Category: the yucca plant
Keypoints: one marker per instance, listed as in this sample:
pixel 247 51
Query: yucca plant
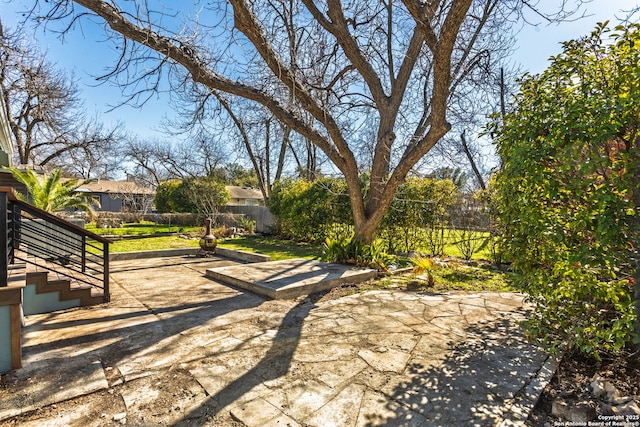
pixel 344 250
pixel 53 194
pixel 336 250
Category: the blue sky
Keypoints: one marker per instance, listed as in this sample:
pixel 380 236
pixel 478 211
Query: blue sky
pixel 536 44
pixel 87 55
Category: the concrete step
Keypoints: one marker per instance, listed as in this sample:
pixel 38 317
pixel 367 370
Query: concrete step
pixel 288 279
pixel 65 291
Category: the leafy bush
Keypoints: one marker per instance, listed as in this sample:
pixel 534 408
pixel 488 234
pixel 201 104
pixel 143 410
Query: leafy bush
pixel 309 210
pixel 346 251
pixel 336 250
pixel 568 194
pixel 171 196
pixel 248 224
pixel 422 264
pixel 194 195
pixel 314 211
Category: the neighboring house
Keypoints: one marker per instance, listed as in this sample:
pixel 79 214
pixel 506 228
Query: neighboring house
pixel 6 144
pixel 120 196
pixel 244 196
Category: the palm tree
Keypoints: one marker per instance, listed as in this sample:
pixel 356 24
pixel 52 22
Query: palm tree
pixel 53 194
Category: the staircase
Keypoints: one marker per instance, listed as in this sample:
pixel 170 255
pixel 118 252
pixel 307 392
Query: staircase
pixel 39 243
pixel 43 293
pixel 47 264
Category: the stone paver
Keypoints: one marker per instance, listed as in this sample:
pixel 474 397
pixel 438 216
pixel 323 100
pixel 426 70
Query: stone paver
pixel 379 358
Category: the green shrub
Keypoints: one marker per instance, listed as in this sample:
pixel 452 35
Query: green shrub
pixel 248 224
pixel 567 194
pixel 193 195
pixel 308 210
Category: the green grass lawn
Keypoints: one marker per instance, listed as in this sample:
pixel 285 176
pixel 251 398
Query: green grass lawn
pixel 482 251
pixel 274 247
pixel 453 277
pixel 277 249
pixel 152 243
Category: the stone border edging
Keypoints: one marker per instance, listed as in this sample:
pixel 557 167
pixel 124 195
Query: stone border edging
pixel 228 253
pixel 526 399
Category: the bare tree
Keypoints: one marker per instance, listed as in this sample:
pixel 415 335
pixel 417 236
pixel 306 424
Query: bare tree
pixel 144 166
pixel 45 111
pixel 399 61
pixel 480 94
pixel 135 198
pixel 152 161
pixel 260 139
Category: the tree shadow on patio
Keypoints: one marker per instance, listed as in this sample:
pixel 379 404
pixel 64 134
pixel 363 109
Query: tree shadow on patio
pixel 138 339
pixel 474 385
pixel 274 364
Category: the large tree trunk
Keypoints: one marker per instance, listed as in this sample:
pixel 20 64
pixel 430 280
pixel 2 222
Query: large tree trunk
pixel 313 119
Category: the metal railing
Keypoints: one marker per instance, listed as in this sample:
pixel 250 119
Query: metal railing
pixel 46 241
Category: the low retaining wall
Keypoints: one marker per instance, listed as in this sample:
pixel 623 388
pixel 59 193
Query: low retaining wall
pixel 228 253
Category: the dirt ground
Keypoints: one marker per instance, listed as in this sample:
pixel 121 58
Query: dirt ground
pixel 107 407
pixel 572 382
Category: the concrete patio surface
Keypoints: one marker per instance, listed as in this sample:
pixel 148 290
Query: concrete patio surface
pixel 177 348
pixel 289 278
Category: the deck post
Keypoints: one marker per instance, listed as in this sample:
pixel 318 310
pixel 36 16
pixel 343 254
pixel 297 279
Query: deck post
pixel 105 291
pixel 4 232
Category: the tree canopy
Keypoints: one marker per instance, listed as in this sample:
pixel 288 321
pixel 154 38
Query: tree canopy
pixel 46 115
pixel 349 77
pixel 196 195
pixel 569 190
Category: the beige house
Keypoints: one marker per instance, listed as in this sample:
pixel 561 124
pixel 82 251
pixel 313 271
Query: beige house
pixel 244 196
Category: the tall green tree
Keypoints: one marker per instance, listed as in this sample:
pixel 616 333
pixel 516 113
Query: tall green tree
pixel 569 191
pixel 311 210
pixel 171 197
pixel 52 193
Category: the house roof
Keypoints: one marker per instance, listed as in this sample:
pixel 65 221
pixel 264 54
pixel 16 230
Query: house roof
pixel 236 192
pixel 103 186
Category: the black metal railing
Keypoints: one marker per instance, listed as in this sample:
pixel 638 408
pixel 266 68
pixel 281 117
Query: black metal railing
pixel 6 237
pixel 47 241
